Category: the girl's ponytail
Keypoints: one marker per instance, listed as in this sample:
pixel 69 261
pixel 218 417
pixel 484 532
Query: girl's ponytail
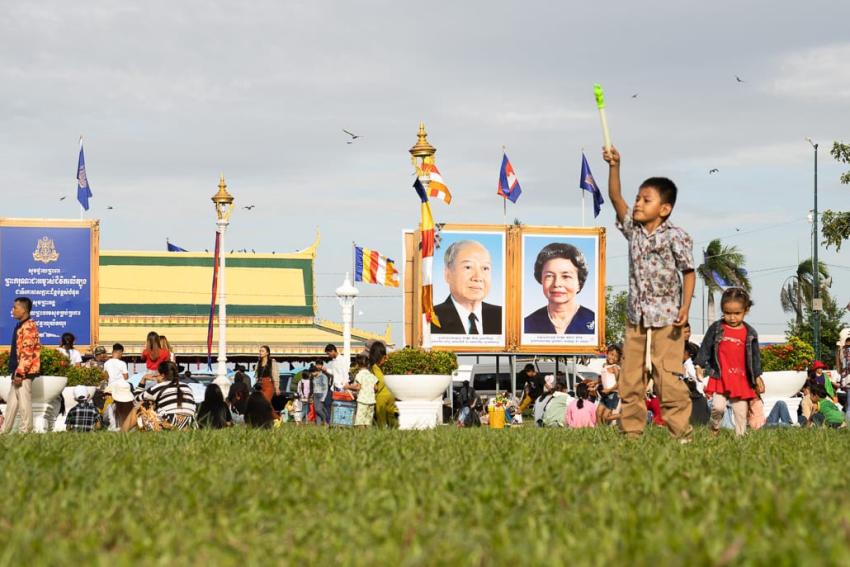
pixel 581 394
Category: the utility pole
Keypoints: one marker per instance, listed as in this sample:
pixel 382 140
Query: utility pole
pixel 817 302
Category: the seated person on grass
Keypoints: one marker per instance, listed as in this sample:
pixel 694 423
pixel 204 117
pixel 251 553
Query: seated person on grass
pixel 556 409
pixel 83 417
pixel 827 412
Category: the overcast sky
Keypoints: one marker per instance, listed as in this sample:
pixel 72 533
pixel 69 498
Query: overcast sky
pixel 169 94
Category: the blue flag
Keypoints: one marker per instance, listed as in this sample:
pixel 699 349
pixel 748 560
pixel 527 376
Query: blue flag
pixel 174 247
pixel 589 184
pixel 83 189
pixel 508 183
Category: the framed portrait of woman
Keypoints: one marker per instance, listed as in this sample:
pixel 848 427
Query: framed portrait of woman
pixel 561 287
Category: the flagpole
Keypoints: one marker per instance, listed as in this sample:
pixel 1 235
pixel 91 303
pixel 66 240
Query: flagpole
pixel 504 198
pixel 82 210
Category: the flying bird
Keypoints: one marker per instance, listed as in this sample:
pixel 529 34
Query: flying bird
pixel 109 208
pixel 635 95
pixel 63 198
pixel 353 136
pixel 739 79
pixel 713 171
pixel 249 207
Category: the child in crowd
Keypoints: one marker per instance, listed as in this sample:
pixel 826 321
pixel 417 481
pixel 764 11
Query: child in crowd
pixel 827 412
pixel 116 368
pixel 581 412
pixel 609 400
pixel 730 357
pixel 658 302
pixel 305 392
pixel 364 386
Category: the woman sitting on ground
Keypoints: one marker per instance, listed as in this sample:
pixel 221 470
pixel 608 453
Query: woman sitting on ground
pixel 258 410
pixel 239 392
pixel 556 410
pixel 173 402
pixel 213 412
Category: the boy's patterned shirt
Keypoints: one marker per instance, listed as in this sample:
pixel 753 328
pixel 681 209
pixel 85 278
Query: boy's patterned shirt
pixel 655 260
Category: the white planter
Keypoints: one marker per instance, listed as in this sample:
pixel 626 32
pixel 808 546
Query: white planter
pixel 420 404
pixel 44 390
pixel 417 387
pixel 782 385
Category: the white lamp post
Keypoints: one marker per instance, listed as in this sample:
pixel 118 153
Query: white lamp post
pixel 223 202
pixel 346 294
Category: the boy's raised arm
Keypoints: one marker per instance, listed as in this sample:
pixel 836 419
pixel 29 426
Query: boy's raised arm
pixel 612 156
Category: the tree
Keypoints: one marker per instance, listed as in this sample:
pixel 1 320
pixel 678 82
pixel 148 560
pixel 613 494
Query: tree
pixel 836 224
pixel 616 315
pixel 798 292
pixel 723 266
pixel 831 323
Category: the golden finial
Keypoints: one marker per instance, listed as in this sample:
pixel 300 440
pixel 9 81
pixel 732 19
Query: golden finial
pixel 222 196
pixel 223 201
pixel 422 149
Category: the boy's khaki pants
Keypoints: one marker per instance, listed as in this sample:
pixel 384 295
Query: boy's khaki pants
pixel 667 350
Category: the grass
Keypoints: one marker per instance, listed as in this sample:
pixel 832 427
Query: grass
pixel 526 496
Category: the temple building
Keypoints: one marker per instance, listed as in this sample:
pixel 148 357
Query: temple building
pixel 271 300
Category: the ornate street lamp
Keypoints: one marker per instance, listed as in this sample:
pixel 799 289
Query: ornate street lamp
pixel 223 202
pixel 347 294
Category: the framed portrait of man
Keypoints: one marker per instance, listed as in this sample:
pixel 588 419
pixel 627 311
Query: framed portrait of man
pixel 469 285
pixel 561 288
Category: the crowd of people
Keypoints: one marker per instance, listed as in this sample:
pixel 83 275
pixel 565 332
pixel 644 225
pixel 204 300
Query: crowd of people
pixel 723 377
pixel 163 399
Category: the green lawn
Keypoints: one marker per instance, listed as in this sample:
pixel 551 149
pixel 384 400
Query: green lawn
pixel 525 496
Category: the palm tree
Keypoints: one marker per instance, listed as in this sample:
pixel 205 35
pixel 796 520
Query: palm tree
pixel 797 289
pixel 723 266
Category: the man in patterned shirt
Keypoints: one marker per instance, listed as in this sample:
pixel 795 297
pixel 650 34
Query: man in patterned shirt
pixel 659 301
pixel 83 416
pixel 24 365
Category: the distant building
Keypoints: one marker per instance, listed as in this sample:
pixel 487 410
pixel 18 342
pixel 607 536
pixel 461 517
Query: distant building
pixel 271 300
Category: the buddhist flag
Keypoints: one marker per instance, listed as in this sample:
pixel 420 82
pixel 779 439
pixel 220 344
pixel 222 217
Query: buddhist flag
pixel 508 183
pixel 437 187
pixel 427 250
pixel 371 267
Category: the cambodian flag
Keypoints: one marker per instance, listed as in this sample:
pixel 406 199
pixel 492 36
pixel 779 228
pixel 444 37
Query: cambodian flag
pixel 83 190
pixel 508 183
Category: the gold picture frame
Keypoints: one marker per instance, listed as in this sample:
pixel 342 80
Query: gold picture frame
pixel 512 282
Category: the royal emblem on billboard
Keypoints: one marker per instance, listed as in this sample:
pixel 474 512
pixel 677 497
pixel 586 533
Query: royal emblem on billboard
pixel 45 251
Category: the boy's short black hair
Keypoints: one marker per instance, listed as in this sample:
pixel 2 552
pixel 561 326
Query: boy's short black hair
pixel 117 346
pixel 26 302
pixel 666 189
pixel 329 348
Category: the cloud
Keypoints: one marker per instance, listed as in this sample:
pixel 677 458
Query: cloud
pixel 817 74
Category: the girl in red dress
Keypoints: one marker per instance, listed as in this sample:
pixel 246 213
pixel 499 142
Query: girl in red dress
pixel 730 356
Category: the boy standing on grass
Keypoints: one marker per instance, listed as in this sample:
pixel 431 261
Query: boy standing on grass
pixel 658 302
